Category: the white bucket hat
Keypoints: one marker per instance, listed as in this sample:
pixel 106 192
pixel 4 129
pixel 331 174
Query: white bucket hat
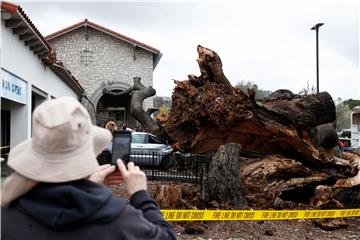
pixel 64 143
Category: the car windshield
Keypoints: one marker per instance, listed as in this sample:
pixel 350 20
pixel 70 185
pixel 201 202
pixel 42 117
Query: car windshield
pixel 138 138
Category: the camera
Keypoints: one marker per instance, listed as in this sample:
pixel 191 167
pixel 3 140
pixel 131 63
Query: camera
pixel 121 146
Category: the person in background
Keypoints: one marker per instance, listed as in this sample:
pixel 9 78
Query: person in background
pixel 57 190
pixel 111 126
pixel 125 128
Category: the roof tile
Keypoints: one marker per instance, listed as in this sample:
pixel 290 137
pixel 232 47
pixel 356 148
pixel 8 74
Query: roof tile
pixel 106 30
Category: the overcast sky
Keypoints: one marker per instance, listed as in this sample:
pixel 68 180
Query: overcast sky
pixel 267 42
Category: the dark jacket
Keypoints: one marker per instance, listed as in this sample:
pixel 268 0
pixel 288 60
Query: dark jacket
pixel 82 210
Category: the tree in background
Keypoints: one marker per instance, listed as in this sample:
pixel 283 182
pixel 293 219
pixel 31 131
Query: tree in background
pixel 352 103
pixel 308 90
pixel 163 114
pixel 343 115
pixel 248 85
pixel 164 110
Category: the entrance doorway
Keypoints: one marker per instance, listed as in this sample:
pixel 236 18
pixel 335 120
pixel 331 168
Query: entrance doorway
pixel 114 106
pixel 5 127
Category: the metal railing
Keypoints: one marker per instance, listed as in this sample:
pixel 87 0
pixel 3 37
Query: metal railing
pixel 176 167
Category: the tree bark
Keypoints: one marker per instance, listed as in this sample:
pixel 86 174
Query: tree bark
pixel 168 196
pixel 325 135
pixel 306 111
pixel 279 182
pixel 223 182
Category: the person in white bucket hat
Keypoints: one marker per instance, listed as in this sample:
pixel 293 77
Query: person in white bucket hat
pixel 57 192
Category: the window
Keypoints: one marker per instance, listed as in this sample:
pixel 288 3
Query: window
pixel 86 57
pixel 154 140
pixel 138 138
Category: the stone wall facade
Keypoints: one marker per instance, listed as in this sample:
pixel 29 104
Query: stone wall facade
pixel 99 60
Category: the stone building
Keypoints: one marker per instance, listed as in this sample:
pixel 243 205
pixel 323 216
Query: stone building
pixel 105 62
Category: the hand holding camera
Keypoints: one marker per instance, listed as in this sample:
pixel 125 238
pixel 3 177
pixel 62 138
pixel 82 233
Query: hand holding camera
pixel 104 175
pixel 133 178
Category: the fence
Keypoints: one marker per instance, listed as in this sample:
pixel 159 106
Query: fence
pixel 178 167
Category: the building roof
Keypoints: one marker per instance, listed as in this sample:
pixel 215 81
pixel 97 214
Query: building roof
pixel 156 53
pixel 16 18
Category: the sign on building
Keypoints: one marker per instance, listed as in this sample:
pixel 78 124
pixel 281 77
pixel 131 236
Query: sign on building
pixel 12 87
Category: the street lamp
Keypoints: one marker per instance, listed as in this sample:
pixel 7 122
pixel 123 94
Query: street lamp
pixel 316 27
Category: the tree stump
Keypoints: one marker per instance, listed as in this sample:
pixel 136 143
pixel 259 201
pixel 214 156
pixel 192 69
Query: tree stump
pixel 223 183
pixel 168 196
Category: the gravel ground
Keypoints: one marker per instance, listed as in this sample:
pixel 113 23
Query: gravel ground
pixel 266 230
pixel 262 230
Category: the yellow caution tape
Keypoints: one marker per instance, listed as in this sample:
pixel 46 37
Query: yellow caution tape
pixel 226 215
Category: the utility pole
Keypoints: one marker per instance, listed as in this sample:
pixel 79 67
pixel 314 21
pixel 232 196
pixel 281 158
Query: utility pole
pixel 316 27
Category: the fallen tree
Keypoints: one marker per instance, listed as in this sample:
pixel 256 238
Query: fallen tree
pixel 291 136
pixel 208 112
pixel 283 183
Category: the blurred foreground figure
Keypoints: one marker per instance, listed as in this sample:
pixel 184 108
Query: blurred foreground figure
pixel 56 190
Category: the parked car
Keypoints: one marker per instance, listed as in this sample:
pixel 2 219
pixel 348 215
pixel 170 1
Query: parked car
pixel 147 149
pixel 345 144
pixel 345 133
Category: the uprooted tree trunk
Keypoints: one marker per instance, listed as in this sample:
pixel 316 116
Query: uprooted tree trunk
pixel 294 134
pixel 208 112
pixel 223 180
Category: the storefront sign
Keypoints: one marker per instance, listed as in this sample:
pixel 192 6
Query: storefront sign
pixel 12 87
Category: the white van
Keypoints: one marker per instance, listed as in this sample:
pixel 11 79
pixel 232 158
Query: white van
pixel 355 127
